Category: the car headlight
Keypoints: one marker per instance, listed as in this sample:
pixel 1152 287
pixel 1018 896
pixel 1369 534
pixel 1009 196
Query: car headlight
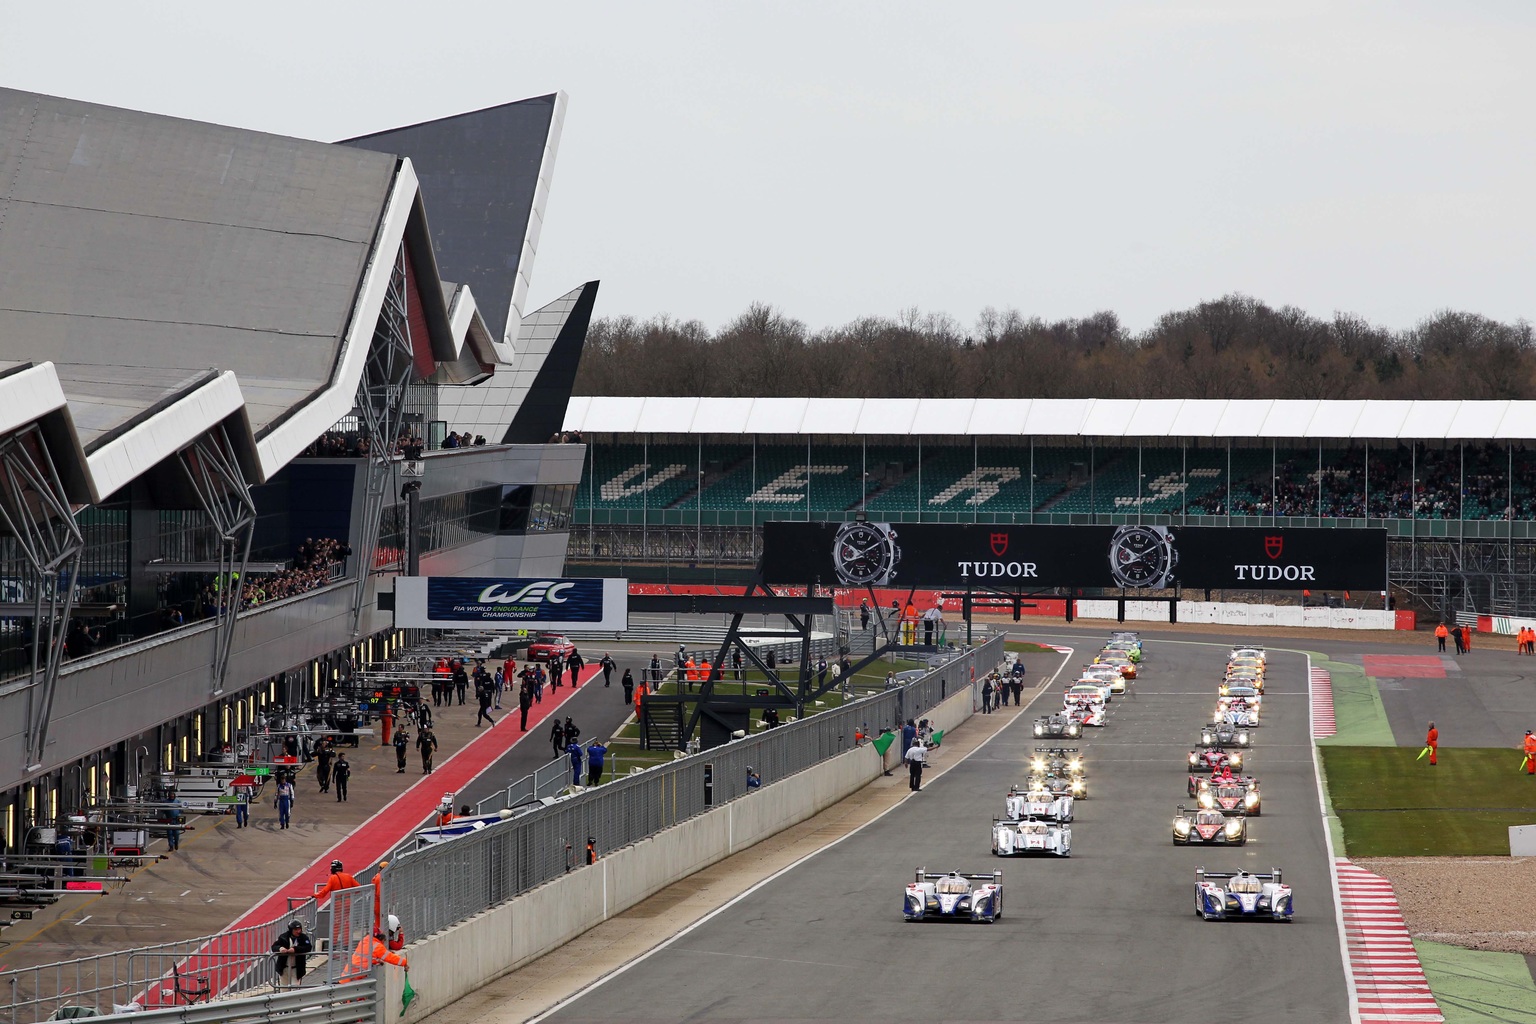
pixel 1181 826
pixel 1075 765
pixel 1252 799
pixel 1237 760
pixel 1234 827
pixel 1078 788
pixel 1242 737
pixel 1206 800
pixel 1194 758
pixel 1036 765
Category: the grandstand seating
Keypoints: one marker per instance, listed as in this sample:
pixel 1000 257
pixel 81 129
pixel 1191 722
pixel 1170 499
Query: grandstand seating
pixel 994 480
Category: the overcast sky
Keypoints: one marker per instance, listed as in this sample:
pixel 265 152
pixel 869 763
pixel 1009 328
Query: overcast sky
pixel 840 160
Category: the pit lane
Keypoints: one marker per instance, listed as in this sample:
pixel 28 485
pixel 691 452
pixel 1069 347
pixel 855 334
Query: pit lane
pixel 1109 935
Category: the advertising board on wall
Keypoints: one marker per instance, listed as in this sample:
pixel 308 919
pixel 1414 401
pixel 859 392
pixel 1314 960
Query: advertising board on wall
pixel 478 602
pixel 871 554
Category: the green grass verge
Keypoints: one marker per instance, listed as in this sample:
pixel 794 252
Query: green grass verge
pixel 1026 647
pixel 1357 708
pixel 1475 986
pixel 1393 805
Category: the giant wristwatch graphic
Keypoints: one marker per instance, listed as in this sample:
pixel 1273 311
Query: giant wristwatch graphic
pixel 1142 556
pixel 865 554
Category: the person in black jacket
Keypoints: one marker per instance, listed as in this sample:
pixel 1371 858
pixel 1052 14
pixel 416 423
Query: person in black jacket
pixel 292 948
pixel 607 665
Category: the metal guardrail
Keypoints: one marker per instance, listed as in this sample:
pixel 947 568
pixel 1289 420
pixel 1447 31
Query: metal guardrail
pixel 440 886
pixel 352 1003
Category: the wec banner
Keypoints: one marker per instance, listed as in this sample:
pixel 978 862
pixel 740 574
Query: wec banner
pixel 464 602
pixel 1030 557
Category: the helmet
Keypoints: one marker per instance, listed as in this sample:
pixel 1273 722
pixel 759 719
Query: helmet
pixel 336 865
pixel 393 922
pixel 295 924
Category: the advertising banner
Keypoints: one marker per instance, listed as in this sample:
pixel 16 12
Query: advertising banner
pixel 870 554
pixel 477 602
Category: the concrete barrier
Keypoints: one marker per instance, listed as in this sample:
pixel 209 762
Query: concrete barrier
pixel 1233 614
pixel 461 959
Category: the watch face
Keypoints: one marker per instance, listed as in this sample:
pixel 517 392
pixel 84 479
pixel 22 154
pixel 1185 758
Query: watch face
pixel 865 554
pixel 1142 556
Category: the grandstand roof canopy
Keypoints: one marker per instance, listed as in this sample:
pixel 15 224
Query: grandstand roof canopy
pixel 1058 417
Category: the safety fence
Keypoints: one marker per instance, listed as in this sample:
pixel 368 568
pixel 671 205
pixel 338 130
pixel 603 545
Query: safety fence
pixel 438 887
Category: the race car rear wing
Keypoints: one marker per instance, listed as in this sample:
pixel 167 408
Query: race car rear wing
pixel 1057 750
pixel 924 875
pixel 1202 875
pixel 1248 647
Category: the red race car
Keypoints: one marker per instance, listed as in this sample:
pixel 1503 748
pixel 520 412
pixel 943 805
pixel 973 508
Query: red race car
pixel 1214 758
pixel 547 646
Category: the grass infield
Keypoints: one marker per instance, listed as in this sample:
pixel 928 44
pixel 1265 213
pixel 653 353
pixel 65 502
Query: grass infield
pixel 1026 647
pixel 1392 804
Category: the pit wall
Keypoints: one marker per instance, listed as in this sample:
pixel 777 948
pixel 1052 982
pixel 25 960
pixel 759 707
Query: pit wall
pixel 453 963
pixel 1228 614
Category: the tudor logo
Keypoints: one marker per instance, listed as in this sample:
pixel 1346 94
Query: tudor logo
pixel 1273 546
pixel 999 544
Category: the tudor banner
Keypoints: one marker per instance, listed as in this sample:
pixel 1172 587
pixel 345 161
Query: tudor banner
pixel 1010 557
pixel 474 602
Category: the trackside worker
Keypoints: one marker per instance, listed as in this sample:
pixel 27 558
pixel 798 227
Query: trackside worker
pixel 373 950
pixel 1530 753
pixel 1432 741
pixel 1441 633
pixel 396 937
pixel 338 881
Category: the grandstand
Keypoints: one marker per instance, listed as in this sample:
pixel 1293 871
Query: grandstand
pixel 1453 482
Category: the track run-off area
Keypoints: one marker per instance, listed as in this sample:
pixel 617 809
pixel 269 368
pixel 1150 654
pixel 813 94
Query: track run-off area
pixel 1107 935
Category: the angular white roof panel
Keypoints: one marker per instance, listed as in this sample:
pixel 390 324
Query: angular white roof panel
pixel 722 415
pixel 1004 417
pixel 576 412
pixel 943 415
pixel 1154 417
pixel 1057 417
pixel 614 415
pixel 1519 423
pixel 1108 417
pixel 1429 420
pixel 1197 418
pixel 1477 420
pixel 776 415
pixel 666 415
pixel 1288 418
pixel 1244 417
pixel 1382 418
pixel 887 415
pixel 833 415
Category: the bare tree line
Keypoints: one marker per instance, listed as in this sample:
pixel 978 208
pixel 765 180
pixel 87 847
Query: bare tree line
pixel 1233 347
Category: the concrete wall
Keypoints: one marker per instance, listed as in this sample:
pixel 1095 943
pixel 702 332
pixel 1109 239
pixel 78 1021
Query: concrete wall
pixel 456 962
pixel 1231 614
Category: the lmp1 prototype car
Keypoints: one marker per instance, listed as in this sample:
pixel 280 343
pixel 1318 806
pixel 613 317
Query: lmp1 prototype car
pixel 1061 784
pixel 1038 802
pixel 1223 894
pixel 957 896
pixel 1030 835
pixel 1058 726
pixel 1237 712
pixel 1214 758
pixel 1056 761
pixel 1225 734
pixel 1235 795
pixel 1202 826
pixel 1084 712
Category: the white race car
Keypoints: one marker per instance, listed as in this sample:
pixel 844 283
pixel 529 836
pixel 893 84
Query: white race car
pixel 1223 894
pixel 1038 802
pixel 1031 835
pixel 1237 713
pixel 1088 712
pixel 1248 652
pixel 957 896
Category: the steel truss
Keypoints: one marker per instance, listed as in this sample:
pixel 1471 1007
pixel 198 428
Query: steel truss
pixel 214 473
pixel 35 510
pixel 1494 577
pixel 381 400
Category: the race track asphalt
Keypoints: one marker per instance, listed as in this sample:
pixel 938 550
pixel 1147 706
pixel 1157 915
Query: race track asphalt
pixel 1108 935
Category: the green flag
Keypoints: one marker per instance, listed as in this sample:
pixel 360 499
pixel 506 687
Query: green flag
pixel 407 995
pixel 883 742
pixel 938 737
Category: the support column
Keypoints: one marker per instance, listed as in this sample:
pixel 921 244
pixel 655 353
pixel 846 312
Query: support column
pixel 381 409
pixel 214 473
pixel 35 510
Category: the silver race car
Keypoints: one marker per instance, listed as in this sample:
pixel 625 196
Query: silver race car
pixel 1223 894
pixel 1208 827
pixel 1031 835
pixel 956 896
pixel 1038 802
pixel 1225 734
pixel 1058 726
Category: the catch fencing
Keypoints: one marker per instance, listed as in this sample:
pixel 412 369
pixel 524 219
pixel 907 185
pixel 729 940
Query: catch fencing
pixel 437 887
